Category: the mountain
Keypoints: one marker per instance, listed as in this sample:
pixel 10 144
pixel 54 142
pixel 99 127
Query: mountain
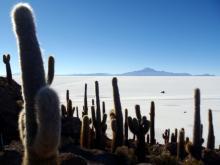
pixel 142 72
pixel 152 72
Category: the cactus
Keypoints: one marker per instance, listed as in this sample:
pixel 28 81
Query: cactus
pixel 197 129
pixel 139 126
pixel 175 135
pixel 85 132
pixel 77 112
pixel 181 145
pixel 118 141
pixel 67 97
pixel 104 119
pixel 126 128
pixel 85 107
pixel 148 139
pixel 40 122
pixel 211 136
pixel 50 74
pixel 6 60
pixel 63 111
pixel 99 125
pixel 152 127
pixel 93 102
pixel 166 136
pixel 69 109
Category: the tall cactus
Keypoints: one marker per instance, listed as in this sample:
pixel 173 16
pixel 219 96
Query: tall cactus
pixel 211 136
pixel 118 116
pixel 40 122
pixel 85 107
pixel 139 126
pixel 197 131
pixel 85 132
pixel 96 118
pixel 6 60
pixel 181 145
pixel 126 128
pixel 152 127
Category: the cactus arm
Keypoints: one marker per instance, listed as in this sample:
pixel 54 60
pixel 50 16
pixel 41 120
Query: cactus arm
pixel 50 74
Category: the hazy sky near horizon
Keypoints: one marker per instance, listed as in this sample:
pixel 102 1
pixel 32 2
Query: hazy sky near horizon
pixel 115 36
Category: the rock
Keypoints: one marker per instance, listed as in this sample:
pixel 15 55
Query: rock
pixel 11 103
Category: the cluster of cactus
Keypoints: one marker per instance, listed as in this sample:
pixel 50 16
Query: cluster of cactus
pixel 117 118
pixel 98 123
pixel 69 109
pixel 174 136
pixel 40 122
pixel 139 126
pixel 166 136
pixel 6 60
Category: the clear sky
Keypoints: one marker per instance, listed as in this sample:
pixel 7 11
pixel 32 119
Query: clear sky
pixel 115 36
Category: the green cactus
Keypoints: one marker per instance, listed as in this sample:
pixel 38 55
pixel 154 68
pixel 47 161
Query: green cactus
pixel 152 127
pixel 6 60
pixel 118 141
pixel 211 136
pixel 181 145
pixel 197 129
pixel 139 126
pixel 85 132
pixel 40 123
pixel 50 74
pixel 85 107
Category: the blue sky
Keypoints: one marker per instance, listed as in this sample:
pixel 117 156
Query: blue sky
pixel 117 36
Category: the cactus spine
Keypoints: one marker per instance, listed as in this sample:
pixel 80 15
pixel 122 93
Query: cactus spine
pixel 197 131
pixel 118 141
pixel 211 136
pixel 152 127
pixel 6 60
pixel 40 125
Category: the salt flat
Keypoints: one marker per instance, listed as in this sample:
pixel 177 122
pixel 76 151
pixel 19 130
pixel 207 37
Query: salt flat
pixel 170 107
